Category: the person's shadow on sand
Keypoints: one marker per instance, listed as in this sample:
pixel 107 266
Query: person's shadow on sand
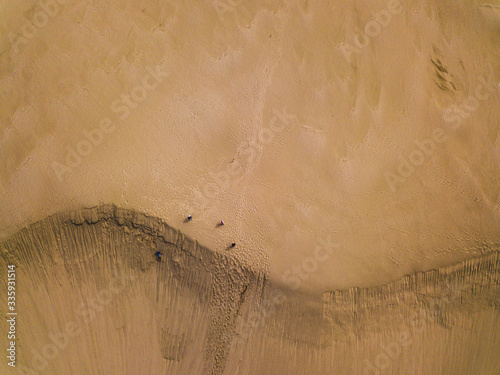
pixel 230 246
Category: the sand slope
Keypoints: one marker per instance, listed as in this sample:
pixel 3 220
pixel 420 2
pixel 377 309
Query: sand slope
pixel 280 118
pixel 93 273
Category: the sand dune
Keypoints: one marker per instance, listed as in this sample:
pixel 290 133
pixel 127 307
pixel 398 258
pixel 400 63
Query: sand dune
pixel 93 299
pixel 283 120
pixel 351 148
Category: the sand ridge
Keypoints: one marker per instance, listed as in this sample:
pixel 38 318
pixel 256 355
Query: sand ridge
pixel 130 313
pixel 205 132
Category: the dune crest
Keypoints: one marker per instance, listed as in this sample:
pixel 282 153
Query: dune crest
pixel 91 285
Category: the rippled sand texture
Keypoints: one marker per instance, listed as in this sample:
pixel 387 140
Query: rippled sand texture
pixel 89 281
pixel 279 117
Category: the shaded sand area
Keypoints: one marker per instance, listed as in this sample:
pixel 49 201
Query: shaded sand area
pixel 365 124
pixel 93 299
